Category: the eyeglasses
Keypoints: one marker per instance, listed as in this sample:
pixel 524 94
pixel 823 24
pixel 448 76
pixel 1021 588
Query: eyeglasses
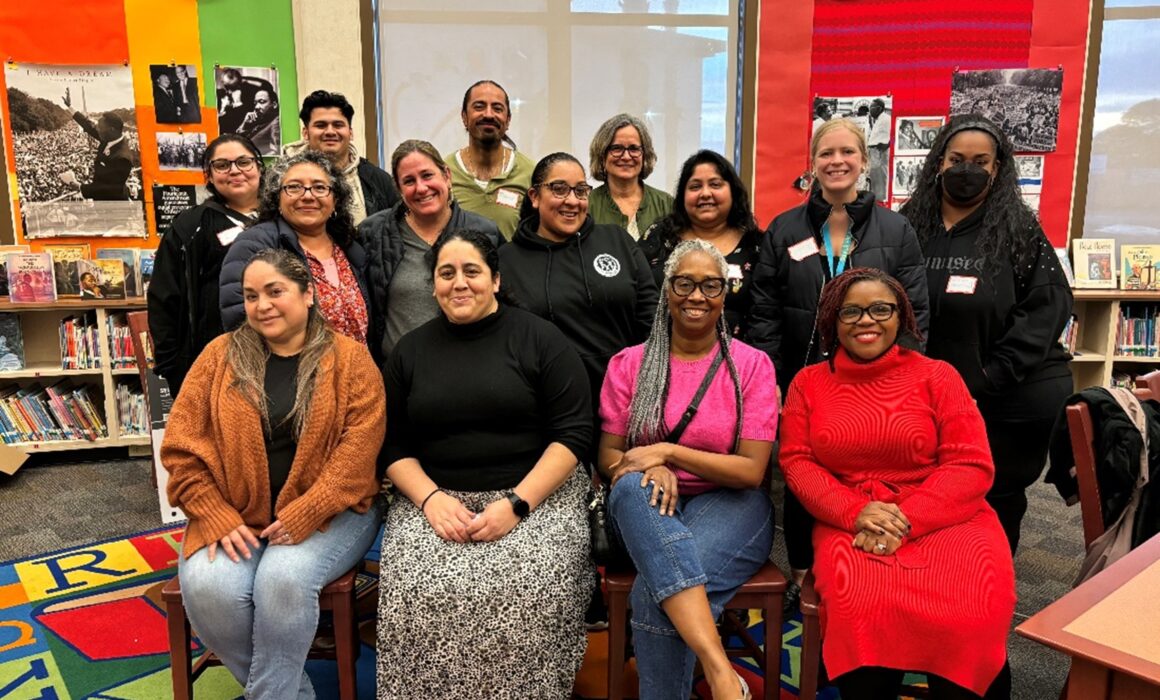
pixel 560 189
pixel 711 287
pixel 295 189
pixel 617 150
pixel 879 312
pixel 222 165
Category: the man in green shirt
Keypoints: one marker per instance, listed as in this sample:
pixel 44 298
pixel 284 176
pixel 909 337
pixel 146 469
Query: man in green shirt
pixel 487 176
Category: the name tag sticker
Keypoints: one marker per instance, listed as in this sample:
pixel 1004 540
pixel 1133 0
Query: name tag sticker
pixel 960 284
pixel 803 249
pixel 227 237
pixel 734 272
pixel 507 198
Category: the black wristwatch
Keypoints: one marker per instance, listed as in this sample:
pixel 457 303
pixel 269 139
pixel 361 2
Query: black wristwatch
pixel 519 506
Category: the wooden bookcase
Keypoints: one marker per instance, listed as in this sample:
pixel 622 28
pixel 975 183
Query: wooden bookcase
pixel 1098 311
pixel 40 326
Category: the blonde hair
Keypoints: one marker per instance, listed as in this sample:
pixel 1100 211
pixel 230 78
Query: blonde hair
pixel 833 125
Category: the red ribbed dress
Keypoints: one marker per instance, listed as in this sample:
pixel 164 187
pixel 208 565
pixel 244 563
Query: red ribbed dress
pixel 902 429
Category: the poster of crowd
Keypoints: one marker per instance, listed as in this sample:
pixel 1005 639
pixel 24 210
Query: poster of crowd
pixel 248 105
pixel 78 165
pixel 180 151
pixel 873 116
pixel 1024 102
pixel 913 136
pixel 1030 173
pixel 906 172
pixel 175 95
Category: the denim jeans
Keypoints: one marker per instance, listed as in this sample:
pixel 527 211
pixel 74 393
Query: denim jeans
pixel 717 539
pixel 260 615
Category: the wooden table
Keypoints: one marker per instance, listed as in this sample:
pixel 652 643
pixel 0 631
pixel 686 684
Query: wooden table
pixel 1110 627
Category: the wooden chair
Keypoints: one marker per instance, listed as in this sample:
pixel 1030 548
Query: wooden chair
pixel 764 591
pixel 337 596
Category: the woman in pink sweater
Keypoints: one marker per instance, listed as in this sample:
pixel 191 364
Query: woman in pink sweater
pixel 686 496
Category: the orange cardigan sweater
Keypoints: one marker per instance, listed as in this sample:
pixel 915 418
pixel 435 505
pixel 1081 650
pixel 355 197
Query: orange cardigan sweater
pixel 215 450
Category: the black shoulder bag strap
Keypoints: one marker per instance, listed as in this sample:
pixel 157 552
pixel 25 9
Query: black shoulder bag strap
pixel 675 434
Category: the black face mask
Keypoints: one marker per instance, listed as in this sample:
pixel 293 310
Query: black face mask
pixel 965 181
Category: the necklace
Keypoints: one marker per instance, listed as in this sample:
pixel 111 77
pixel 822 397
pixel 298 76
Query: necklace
pixel 476 174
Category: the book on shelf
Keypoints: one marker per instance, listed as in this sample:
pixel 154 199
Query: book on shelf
pixel 120 341
pixel 113 279
pixel 1070 335
pixel 1136 334
pixel 79 342
pixel 64 264
pixel 4 251
pixel 132 415
pixel 1094 268
pixel 129 271
pixel 46 414
pixel 1138 270
pixel 145 259
pixel 11 343
pixel 30 278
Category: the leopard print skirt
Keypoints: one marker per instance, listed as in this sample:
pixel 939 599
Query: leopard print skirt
pixel 501 619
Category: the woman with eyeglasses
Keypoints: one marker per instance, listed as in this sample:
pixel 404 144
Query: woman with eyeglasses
pixel 686 495
pixel 305 209
pixel 887 450
pixel 589 279
pixel 622 157
pixel 712 205
pixel 804 249
pixel 183 293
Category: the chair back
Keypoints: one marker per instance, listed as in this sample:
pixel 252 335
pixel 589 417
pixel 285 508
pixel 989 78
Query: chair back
pixel 1082 432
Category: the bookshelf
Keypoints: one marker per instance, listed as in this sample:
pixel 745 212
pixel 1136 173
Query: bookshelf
pixel 1098 311
pixel 41 329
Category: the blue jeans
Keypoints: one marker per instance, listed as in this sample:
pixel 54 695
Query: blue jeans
pixel 717 539
pixel 260 615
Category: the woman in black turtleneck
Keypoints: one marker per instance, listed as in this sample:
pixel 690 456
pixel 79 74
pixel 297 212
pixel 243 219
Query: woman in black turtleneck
pixel 999 300
pixel 839 228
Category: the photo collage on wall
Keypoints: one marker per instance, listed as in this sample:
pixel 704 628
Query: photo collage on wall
pixel 247 101
pixel 1023 102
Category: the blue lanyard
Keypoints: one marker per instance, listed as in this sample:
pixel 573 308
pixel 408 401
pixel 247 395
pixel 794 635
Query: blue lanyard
pixel 846 243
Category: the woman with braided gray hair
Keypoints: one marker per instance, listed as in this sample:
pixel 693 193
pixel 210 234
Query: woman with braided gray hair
pixel 691 511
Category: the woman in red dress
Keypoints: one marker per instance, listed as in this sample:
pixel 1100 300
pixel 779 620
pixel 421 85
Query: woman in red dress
pixel 886 449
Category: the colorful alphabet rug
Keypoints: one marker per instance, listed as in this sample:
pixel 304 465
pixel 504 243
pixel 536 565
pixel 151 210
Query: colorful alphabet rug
pixel 88 622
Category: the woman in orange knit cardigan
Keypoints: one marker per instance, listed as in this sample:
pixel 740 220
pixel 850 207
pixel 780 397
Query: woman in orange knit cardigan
pixel 271 449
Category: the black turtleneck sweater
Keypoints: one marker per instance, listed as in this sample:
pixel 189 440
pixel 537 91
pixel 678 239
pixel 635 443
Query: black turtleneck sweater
pixel 477 404
pixel 998 324
pixel 596 287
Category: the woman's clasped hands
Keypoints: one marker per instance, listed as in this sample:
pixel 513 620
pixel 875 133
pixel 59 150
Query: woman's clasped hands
pixel 880 528
pixel 651 462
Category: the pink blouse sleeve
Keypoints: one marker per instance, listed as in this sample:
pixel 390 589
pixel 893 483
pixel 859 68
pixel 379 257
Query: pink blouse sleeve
pixel 759 399
pixel 616 393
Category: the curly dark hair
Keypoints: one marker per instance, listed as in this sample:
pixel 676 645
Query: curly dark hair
pixel 1008 225
pixel 740 214
pixel 834 294
pixel 340 226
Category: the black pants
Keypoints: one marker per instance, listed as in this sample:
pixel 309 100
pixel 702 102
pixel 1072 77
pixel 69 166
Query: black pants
pixel 799 528
pixel 1018 429
pixel 874 683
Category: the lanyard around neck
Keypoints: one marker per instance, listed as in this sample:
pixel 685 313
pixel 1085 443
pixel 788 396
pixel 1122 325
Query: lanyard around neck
pixel 836 269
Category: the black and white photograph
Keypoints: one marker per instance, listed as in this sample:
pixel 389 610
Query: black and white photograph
pixel 1024 102
pixel 1030 173
pixel 180 151
pixel 78 164
pixel 247 104
pixel 175 96
pixel 913 136
pixel 873 115
pixel 906 172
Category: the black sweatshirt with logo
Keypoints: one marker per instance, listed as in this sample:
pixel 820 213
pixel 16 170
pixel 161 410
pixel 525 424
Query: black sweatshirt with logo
pixel 998 325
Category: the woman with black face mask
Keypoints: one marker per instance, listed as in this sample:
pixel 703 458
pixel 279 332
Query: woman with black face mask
pixel 998 300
